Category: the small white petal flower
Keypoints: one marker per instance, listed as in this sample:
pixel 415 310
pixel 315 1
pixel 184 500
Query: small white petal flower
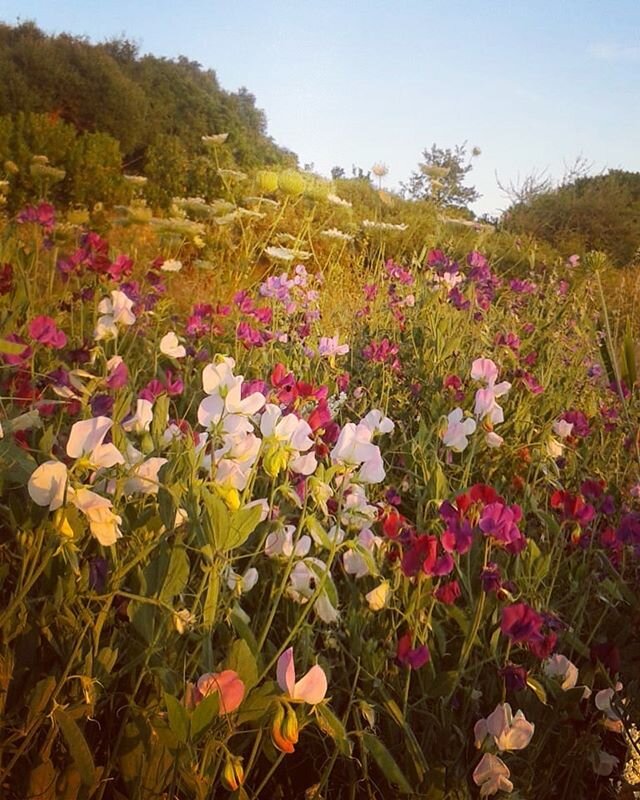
pixel 170 346
pixel 47 484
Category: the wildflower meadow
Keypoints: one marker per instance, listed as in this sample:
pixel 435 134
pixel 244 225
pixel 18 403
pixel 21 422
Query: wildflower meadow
pixel 303 499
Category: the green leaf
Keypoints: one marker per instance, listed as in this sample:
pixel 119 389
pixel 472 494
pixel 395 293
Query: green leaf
pixel 40 698
pixel 241 660
pixel 243 630
pixel 178 718
pixel 388 765
pixel 211 600
pixel 216 520
pixel 8 348
pixel 143 619
pixel 42 781
pixel 333 727
pixel 243 523
pixel 204 714
pixel 177 574
pixel 160 417
pixel 538 689
pixel 77 745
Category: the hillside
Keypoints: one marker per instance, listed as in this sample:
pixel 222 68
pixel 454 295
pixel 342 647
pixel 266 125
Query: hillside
pixel 143 102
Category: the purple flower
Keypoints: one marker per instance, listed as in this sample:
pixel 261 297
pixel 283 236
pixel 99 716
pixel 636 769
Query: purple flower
pixel 412 657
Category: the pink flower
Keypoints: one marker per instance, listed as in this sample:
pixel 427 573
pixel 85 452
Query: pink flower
pixel 44 330
pixel 311 688
pixel 509 732
pixel 228 685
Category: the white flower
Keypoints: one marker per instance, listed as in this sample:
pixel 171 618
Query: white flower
pixel 455 436
pixel 215 138
pixel 334 233
pixel 354 563
pixel 144 479
pixel 338 201
pixel 286 254
pixel 384 226
pixel 355 449
pixel 554 448
pixel 287 438
pixel 377 422
pixel 559 666
pixel 86 441
pixel 562 428
pixel 103 522
pixel 171 265
pixel 47 484
pixel 240 584
pixel 493 440
pixel 218 377
pixel 116 311
pixel 492 775
pixel 142 419
pixel 604 763
pixel 170 346
pixel 279 544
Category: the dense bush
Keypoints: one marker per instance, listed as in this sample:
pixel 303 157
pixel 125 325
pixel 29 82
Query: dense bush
pixel 591 213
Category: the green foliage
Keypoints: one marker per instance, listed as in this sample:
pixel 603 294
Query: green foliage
pixel 441 175
pixel 590 213
pixel 144 103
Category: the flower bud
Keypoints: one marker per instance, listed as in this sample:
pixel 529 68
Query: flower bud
pixel 284 731
pixel 233 773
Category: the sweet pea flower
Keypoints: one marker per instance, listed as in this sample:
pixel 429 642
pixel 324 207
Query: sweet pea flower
pixel 142 419
pixel 144 479
pixel 509 732
pixel 45 331
pixel 604 763
pixel 103 522
pixel 303 580
pixel 484 369
pixel 228 685
pixel 86 441
pixel 242 583
pixel 354 563
pixel 328 347
pixel 117 373
pixel 171 265
pixel 455 436
pixel 562 428
pixel 603 703
pixel 311 688
pixel 377 598
pixel 355 449
pixel 279 544
pixel 116 311
pixel 559 666
pixel 492 775
pixel 286 439
pixel 47 484
pixel 377 422
pixel 170 346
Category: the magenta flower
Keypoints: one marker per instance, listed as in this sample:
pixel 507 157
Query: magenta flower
pixel 45 331
pixel 409 656
pixel 501 523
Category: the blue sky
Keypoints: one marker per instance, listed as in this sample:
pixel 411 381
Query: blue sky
pixel 533 83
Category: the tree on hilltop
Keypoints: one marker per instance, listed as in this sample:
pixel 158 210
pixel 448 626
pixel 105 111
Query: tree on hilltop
pixel 440 177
